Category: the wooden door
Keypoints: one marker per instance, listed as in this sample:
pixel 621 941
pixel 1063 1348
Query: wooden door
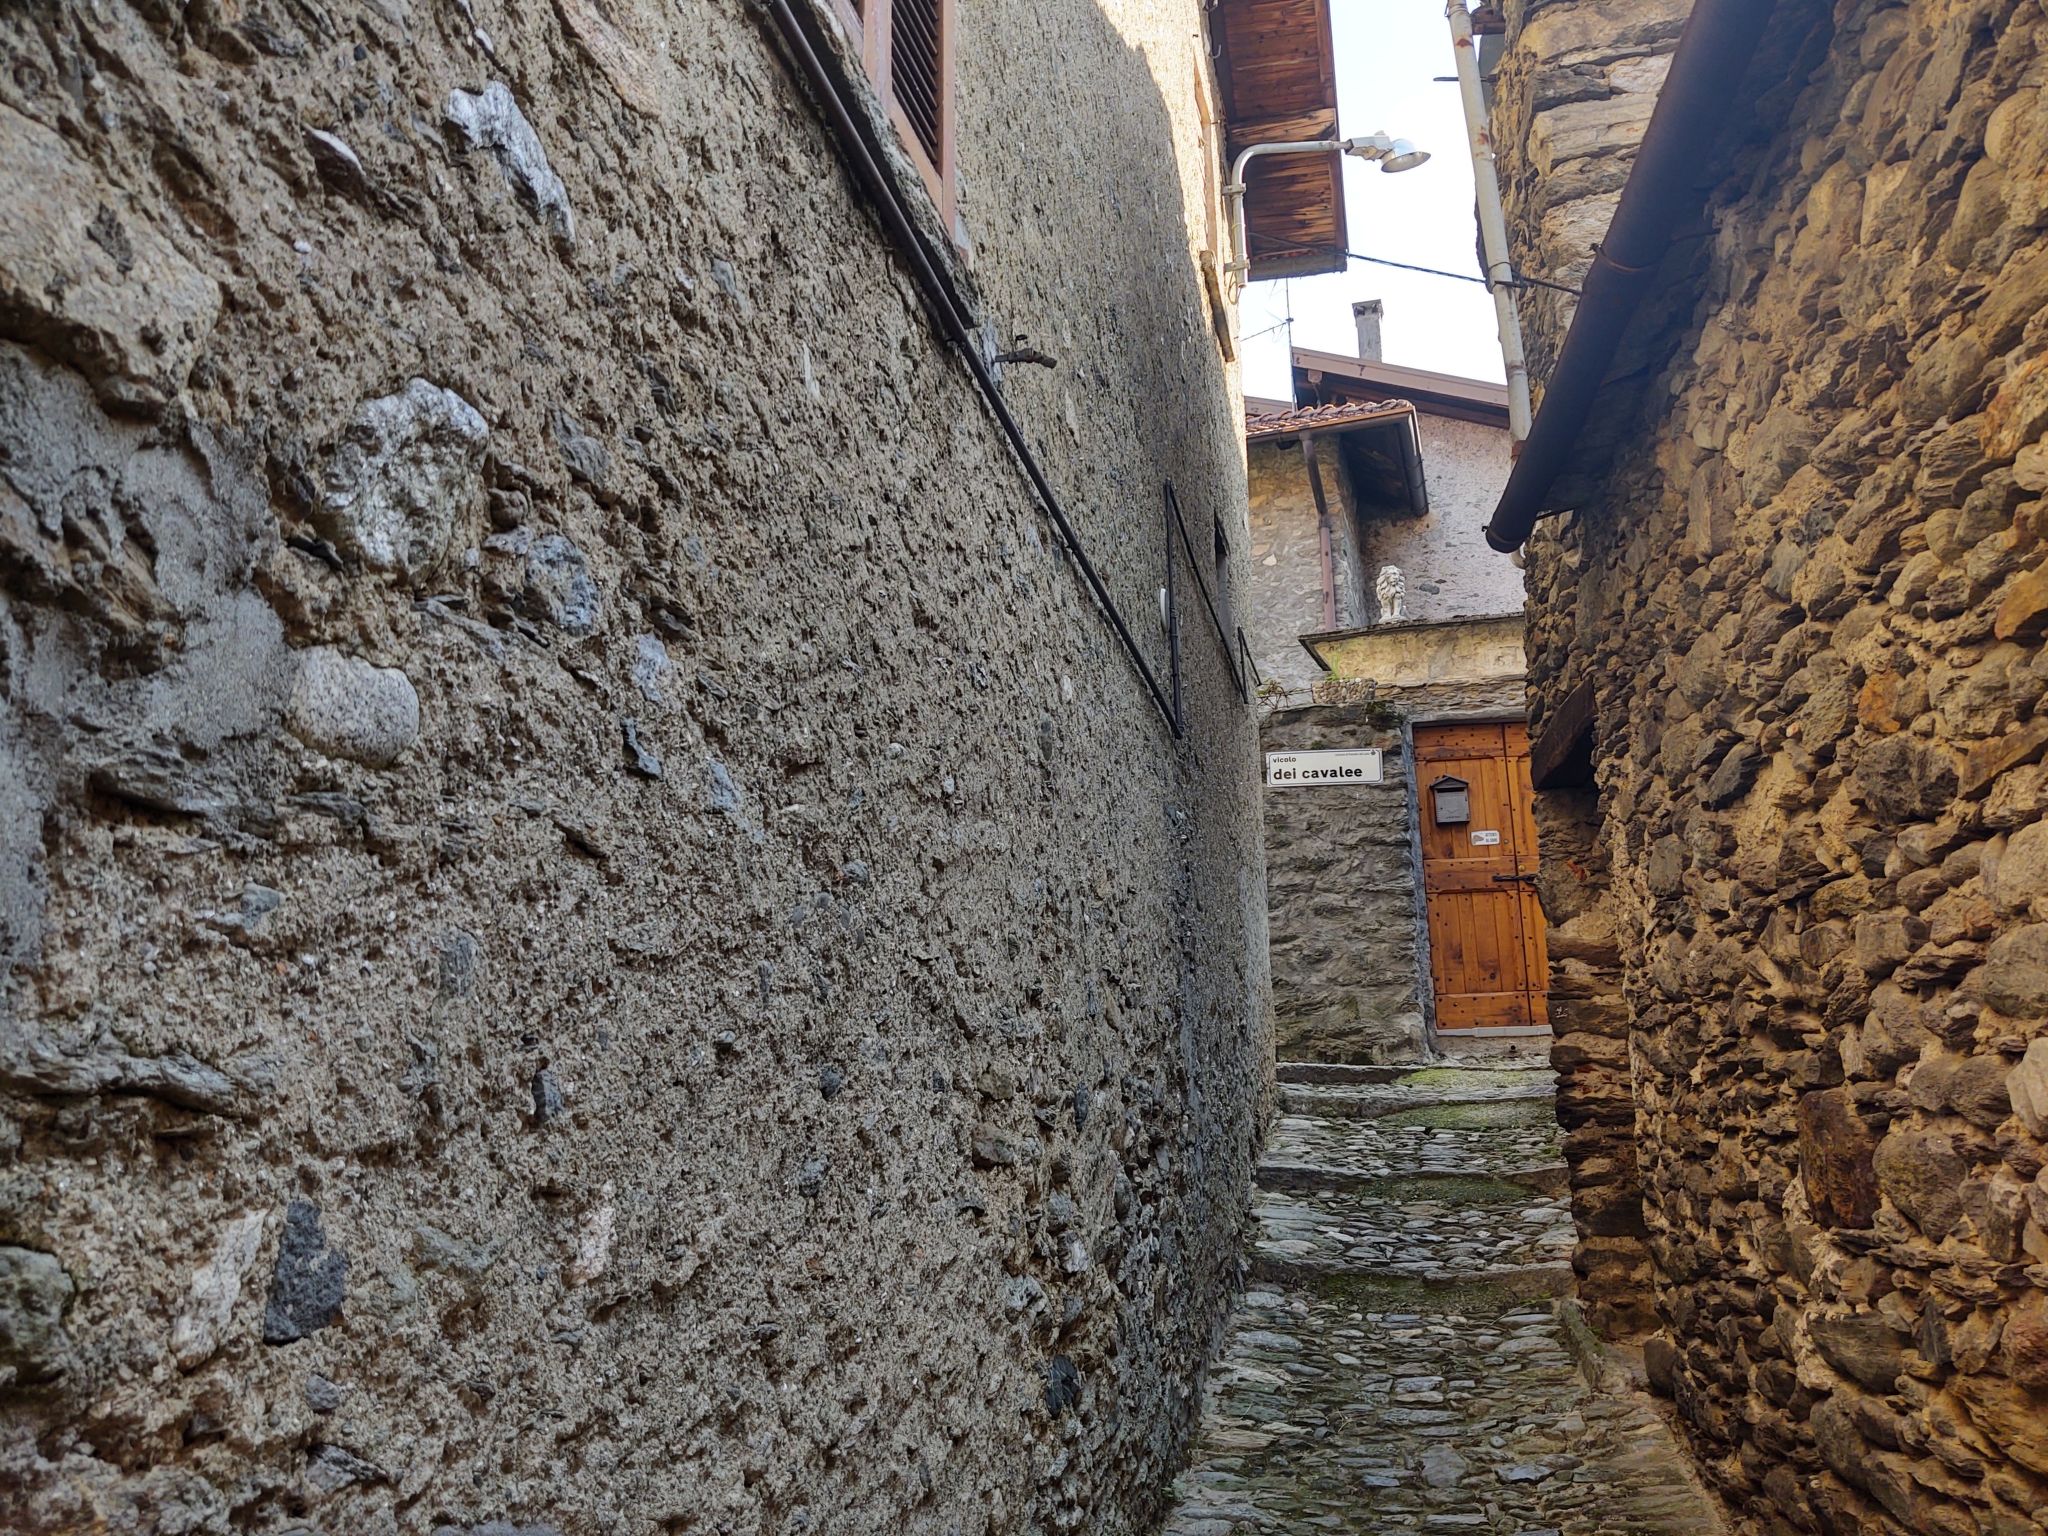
pixel 1486 952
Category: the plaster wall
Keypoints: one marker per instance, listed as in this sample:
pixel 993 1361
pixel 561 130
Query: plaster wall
pixel 1449 571
pixel 1286 595
pixel 1485 656
pixel 598 936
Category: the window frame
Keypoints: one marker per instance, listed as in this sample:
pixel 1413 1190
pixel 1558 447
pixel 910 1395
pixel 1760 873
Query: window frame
pixel 869 22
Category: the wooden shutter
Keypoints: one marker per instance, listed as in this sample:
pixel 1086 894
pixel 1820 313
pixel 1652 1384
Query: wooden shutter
pixel 906 47
pixel 917 71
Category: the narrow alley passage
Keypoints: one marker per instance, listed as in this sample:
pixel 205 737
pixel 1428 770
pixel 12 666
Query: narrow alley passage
pixel 1407 1357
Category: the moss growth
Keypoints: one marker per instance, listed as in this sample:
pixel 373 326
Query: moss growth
pixel 1471 1077
pixel 1405 1293
pixel 1500 1115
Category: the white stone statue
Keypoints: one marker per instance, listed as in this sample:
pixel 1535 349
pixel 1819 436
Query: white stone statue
pixel 1390 589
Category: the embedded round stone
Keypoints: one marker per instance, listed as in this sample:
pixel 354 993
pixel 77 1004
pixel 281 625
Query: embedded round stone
pixel 345 707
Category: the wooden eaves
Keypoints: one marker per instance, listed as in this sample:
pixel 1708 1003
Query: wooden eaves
pixel 1338 378
pixel 1276 70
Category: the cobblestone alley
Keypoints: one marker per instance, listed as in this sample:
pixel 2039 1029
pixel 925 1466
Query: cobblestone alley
pixel 1408 1356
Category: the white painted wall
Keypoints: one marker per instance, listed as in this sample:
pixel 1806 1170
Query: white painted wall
pixel 1451 572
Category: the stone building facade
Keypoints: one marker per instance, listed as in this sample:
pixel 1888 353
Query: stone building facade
pixel 1792 613
pixel 1403 482
pixel 1569 97
pixel 600 934
pixel 1418 504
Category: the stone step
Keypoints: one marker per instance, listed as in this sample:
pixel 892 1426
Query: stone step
pixel 1333 1152
pixel 1342 1072
pixel 1372 1101
pixel 1538 1178
pixel 1521 1282
pixel 1449 1229
pixel 1408 1358
pixel 1371 1408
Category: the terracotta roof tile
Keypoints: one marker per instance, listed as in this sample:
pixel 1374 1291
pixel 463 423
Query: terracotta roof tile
pixel 1316 418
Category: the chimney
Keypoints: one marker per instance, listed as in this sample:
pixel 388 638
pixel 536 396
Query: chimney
pixel 1367 313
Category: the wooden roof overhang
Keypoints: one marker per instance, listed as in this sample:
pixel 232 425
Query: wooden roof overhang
pixel 1377 440
pixel 1335 378
pixel 1276 69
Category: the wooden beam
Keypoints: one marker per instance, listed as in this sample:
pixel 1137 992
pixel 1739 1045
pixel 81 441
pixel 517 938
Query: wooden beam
pixel 1562 757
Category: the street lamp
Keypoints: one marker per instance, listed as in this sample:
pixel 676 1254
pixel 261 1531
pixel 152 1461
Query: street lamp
pixel 1393 155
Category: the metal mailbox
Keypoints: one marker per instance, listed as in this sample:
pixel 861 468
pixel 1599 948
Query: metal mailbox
pixel 1451 801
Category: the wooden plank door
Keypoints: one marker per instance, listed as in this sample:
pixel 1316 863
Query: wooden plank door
pixel 1487 957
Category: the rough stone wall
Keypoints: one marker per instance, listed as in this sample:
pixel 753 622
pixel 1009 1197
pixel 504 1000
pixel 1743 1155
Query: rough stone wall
pixel 1340 881
pixel 598 938
pixel 1448 570
pixel 1589 1024
pixel 1568 105
pixel 1287 559
pixel 1812 603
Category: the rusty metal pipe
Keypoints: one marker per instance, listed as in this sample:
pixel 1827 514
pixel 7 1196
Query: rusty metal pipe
pixel 1323 533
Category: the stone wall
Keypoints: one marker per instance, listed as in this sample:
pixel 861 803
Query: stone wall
pixel 1589 1023
pixel 598 936
pixel 1340 881
pixel 1287 559
pixel 1568 105
pixel 1570 102
pixel 1811 603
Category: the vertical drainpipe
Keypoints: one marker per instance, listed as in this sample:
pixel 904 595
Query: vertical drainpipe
pixel 1493 224
pixel 1324 539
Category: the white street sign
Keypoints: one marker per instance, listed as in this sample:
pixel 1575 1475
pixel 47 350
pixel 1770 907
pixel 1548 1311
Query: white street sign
pixel 1314 770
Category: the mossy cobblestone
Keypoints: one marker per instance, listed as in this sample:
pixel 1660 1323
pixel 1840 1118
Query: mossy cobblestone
pixel 1405 1359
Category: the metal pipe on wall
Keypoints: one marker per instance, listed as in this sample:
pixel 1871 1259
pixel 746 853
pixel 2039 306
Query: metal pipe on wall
pixel 1493 224
pixel 862 162
pixel 1394 156
pixel 1240 250
pixel 1324 540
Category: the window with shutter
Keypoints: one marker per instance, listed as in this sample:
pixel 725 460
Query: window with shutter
pixel 906 46
pixel 916 63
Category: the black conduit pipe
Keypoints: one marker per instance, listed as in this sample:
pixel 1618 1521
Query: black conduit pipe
pixel 953 323
pixel 1662 195
pixel 1208 602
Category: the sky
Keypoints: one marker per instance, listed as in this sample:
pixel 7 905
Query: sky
pixel 1388 52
